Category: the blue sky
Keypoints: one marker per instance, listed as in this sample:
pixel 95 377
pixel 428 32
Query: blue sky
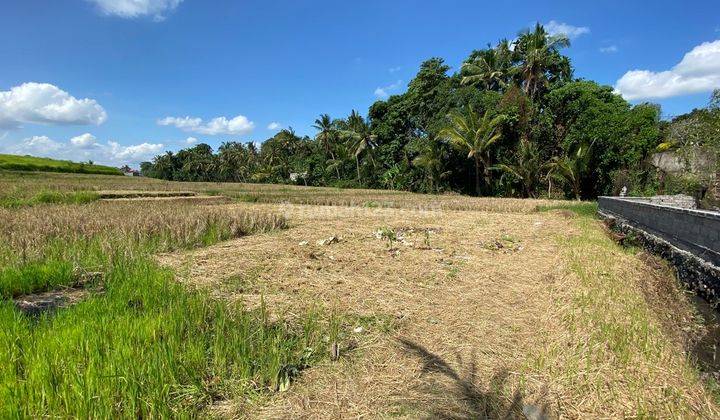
pixel 119 77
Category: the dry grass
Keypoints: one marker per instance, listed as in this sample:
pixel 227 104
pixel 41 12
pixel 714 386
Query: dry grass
pixel 28 184
pixel 29 230
pixel 547 322
pixel 479 307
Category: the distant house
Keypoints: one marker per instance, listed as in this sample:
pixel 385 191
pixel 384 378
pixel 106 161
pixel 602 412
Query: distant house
pixel 128 171
pixel 294 176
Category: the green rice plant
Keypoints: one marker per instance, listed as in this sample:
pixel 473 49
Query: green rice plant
pixel 146 347
pixel 48 197
pixel 583 208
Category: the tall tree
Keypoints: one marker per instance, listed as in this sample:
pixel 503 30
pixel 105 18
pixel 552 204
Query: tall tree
pixel 540 60
pixel 525 168
pixel 360 136
pixel 475 135
pixel 327 135
pixel 490 68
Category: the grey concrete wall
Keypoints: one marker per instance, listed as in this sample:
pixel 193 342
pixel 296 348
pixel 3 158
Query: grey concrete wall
pixel 696 231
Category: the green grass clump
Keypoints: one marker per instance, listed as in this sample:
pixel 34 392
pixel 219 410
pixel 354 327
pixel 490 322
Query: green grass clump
pixel 146 347
pixel 34 276
pixel 581 208
pixel 141 345
pixel 49 197
pixel 31 163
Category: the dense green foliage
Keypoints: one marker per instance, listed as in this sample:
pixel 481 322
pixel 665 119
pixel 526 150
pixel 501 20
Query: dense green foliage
pixel 30 163
pixel 509 123
pixel 692 140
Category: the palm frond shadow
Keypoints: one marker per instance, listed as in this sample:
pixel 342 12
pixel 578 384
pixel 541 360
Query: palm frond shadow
pixel 459 394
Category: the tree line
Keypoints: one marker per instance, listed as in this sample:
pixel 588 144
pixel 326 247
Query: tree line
pixel 513 121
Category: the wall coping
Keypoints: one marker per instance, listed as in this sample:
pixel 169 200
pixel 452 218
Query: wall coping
pixel 639 201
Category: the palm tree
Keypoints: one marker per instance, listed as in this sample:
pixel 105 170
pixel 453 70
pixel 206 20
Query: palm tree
pixel 432 158
pixel 571 167
pixel 357 130
pixel 527 167
pixel 539 54
pixel 490 68
pixel 476 135
pixel 327 135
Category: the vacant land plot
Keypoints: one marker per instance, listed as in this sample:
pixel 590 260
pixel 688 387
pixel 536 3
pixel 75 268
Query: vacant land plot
pixel 465 314
pixel 339 303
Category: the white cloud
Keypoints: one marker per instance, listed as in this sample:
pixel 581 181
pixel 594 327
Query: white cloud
pixel 84 141
pixel 609 49
pixel 394 69
pixel 134 153
pixel 83 148
pixel 42 146
pixel 239 125
pixel 698 71
pixel 385 91
pixel 273 126
pixel 137 8
pixel 572 32
pixel 191 140
pixel 43 103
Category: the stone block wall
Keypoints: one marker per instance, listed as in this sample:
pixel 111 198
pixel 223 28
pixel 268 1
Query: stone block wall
pixel 695 231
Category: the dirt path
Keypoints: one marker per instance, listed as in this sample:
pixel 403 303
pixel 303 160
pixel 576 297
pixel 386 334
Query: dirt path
pixel 466 305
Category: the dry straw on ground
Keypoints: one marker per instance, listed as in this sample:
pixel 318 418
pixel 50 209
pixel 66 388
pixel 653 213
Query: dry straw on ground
pixel 554 322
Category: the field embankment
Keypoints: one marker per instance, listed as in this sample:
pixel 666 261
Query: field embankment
pixel 31 163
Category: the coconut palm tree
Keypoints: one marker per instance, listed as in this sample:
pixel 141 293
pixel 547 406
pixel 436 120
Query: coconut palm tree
pixel 327 135
pixel 361 139
pixel 527 167
pixel 475 135
pixel 572 167
pixel 490 68
pixel 432 159
pixel 540 61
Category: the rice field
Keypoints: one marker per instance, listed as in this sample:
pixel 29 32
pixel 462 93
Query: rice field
pixel 287 302
pixel 138 344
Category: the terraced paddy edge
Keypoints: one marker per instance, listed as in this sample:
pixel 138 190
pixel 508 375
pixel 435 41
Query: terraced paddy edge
pixel 31 163
pixel 144 194
pixel 465 314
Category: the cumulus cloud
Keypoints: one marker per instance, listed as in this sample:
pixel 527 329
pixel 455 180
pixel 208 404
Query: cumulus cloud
pixel 698 71
pixel 239 125
pixel 134 153
pixel 385 91
pixel 572 32
pixel 394 69
pixel 83 148
pixel 42 146
pixel 84 141
pixel 273 126
pixel 43 103
pixel 137 8
pixel 191 140
pixel 609 49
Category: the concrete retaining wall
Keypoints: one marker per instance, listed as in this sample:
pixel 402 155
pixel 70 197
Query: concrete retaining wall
pixel 696 231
